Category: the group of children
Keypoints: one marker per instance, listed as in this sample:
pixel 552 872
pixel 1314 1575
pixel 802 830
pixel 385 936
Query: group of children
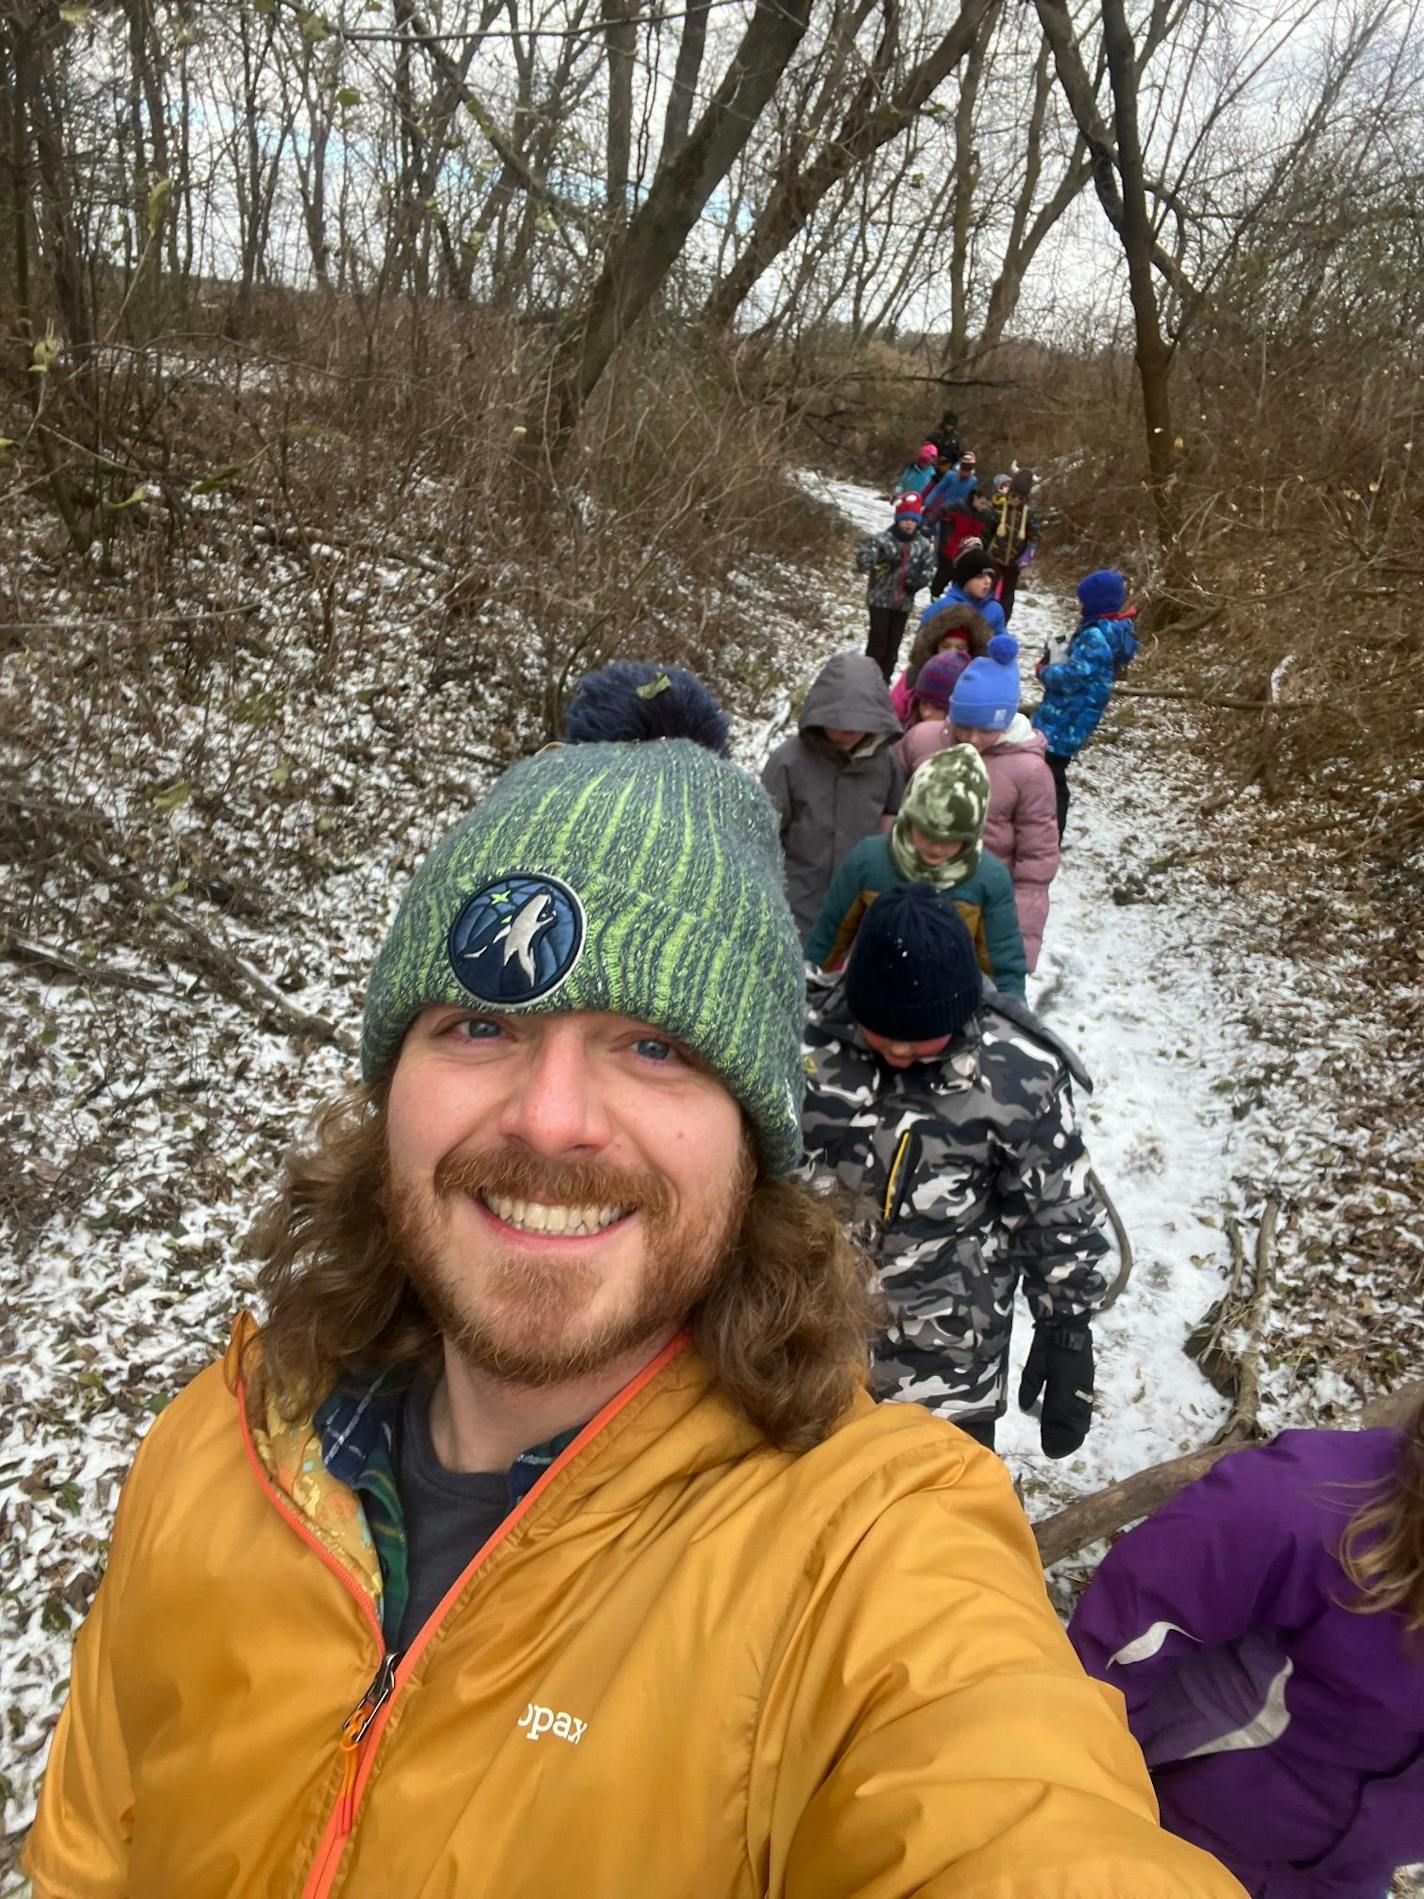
pixel 1264 1627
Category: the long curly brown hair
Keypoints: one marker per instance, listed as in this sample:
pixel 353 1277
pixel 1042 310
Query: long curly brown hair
pixel 955 618
pixel 784 1333
pixel 1383 1549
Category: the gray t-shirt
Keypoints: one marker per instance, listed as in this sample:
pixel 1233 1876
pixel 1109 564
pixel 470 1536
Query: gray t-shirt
pixel 448 1513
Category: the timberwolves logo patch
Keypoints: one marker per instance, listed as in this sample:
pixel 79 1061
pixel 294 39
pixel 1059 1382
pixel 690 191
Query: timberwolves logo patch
pixel 517 939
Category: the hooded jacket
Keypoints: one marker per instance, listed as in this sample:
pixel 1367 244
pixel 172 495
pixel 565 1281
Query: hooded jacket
pixel 828 800
pixel 685 1663
pixel 1021 828
pixel 985 900
pixel 1285 1729
pixel 897 567
pixel 975 1175
pixel 1076 688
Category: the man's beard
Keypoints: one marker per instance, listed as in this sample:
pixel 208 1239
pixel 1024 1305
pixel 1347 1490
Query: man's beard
pixel 516 1317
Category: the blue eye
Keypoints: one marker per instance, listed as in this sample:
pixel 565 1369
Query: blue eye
pixel 654 1049
pixel 474 1028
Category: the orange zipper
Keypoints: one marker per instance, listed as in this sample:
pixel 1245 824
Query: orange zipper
pixel 362 1729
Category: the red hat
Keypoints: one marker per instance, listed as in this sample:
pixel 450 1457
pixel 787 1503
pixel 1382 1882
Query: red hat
pixel 909 504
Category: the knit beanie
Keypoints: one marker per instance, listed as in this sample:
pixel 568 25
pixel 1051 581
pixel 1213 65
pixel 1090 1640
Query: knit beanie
pixel 631 699
pixel 636 880
pixel 912 974
pixel 1102 592
pixel 936 678
pixel 971 563
pixel 987 691
pixel 927 452
pixel 948 799
pixel 909 507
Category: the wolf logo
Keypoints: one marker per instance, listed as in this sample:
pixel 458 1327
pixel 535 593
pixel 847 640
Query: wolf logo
pixel 517 938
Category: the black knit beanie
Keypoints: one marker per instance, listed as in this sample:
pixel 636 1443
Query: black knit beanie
pixel 912 975
pixel 971 563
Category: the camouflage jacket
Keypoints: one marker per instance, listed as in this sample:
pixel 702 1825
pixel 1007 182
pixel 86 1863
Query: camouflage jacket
pixel 974 1175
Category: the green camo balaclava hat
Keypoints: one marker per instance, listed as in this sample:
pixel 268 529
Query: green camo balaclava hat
pixel 948 799
pixel 636 880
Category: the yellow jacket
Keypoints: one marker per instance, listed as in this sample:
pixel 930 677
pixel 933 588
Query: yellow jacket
pixel 687 1664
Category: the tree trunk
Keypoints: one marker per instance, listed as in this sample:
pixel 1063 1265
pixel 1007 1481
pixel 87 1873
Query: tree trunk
pixel 685 76
pixel 620 35
pixel 637 265
pixel 871 122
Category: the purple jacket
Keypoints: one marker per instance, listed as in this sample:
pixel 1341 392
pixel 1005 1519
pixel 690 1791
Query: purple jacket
pixel 1285 1732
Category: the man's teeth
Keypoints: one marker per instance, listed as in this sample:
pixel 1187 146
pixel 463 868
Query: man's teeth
pixel 534 1216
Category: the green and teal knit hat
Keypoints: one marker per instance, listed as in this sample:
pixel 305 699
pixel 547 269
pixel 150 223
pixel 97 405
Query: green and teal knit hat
pixel 636 880
pixel 948 799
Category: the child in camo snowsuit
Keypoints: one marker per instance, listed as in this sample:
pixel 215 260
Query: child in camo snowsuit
pixel 951 1114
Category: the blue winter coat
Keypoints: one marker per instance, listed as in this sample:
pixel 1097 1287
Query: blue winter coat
pixel 949 492
pixel 914 480
pixel 957 597
pixel 1077 688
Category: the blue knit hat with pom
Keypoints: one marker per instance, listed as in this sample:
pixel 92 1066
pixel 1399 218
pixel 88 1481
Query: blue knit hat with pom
pixel 1104 591
pixel 631 700
pixel 986 694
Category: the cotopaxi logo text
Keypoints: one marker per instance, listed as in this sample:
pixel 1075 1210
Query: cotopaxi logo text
pixel 541 1721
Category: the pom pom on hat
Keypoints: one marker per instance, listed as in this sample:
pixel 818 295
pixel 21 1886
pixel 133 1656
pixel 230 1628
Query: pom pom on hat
pixel 912 974
pixel 1102 592
pixel 909 506
pixel 986 694
pixel 631 700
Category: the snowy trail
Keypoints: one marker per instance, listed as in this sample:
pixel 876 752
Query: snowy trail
pixel 1120 983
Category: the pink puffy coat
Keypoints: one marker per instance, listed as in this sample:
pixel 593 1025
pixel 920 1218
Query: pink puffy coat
pixel 1022 827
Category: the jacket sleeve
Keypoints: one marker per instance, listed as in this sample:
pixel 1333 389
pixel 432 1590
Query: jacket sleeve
pixel 932 1734
pixel 868 553
pixel 80 1840
pixel 1089 657
pixel 1036 854
pixel 895 790
pixel 1002 937
pixel 1223 1557
pixel 776 783
pixel 842 893
pixel 1052 1218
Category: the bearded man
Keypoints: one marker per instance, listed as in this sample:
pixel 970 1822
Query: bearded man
pixel 543 1539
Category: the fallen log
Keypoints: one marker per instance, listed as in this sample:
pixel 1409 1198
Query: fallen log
pixel 1233 702
pixel 1107 1511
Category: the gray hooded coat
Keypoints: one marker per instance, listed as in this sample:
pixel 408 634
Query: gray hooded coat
pixel 829 799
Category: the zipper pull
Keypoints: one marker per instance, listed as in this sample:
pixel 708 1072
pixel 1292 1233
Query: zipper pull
pixel 353 1732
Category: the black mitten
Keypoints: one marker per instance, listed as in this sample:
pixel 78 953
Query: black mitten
pixel 1060 1365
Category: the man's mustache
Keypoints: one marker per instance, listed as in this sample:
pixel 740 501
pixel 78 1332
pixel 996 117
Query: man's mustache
pixel 513 1175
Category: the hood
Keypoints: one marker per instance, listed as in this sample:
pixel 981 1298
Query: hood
pixel 850 694
pixel 1022 734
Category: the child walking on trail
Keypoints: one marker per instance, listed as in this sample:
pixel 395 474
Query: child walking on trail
pixel 1014 539
pixel 973 579
pixel 938 840
pixel 899 562
pixel 929 701
pixel 1078 685
pixel 952 514
pixel 837 780
pixel 1266 1628
pixel 945 628
pixel 1021 829
pixel 918 475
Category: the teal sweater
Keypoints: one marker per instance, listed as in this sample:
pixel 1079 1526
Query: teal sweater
pixel 985 901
